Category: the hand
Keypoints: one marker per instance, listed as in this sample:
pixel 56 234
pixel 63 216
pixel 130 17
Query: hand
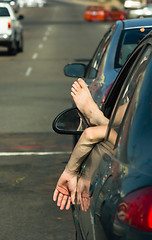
pixel 83 197
pixel 65 190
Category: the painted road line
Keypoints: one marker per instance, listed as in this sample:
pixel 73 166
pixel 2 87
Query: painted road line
pixel 44 38
pixel 49 28
pixel 40 45
pixel 28 71
pixel 6 154
pixel 35 55
pixel 47 33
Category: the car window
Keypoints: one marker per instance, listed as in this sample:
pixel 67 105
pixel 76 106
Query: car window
pixel 98 56
pixel 4 12
pixel 136 134
pixel 127 43
pixel 125 96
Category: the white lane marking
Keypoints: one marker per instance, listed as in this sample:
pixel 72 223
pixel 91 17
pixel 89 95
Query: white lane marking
pixel 49 28
pixel 35 55
pixel 28 71
pixel 40 45
pixel 47 33
pixel 44 38
pixel 3 154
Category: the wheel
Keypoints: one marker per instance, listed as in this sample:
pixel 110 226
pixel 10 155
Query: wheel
pixel 20 45
pixel 12 48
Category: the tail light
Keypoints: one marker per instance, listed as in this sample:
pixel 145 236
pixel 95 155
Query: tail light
pixel 121 17
pixel 101 13
pixel 135 210
pixel 9 25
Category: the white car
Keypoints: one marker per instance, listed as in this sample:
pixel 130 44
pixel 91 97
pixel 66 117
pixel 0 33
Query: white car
pixel 145 11
pixel 11 30
pixel 132 4
pixel 32 3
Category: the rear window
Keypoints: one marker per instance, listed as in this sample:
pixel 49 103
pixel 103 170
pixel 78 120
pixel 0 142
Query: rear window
pixel 127 43
pixel 4 12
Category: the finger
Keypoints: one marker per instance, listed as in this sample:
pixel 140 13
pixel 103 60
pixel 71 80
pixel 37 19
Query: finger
pixel 55 195
pixel 88 203
pixel 82 207
pixel 68 205
pixel 60 197
pixel 64 200
pixel 85 204
pixel 73 197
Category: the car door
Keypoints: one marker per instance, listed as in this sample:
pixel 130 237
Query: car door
pixel 97 168
pixel 109 184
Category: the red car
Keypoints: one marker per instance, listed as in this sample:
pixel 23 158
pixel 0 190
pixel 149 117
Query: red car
pixel 98 13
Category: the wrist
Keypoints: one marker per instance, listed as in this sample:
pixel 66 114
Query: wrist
pixel 71 170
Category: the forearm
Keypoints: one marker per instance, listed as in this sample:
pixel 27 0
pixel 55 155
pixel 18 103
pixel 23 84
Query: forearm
pixel 81 150
pixel 88 139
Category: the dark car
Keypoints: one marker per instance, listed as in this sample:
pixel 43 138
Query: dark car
pixel 120 171
pixel 112 52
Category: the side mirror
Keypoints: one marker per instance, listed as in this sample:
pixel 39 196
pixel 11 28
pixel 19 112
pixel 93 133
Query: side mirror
pixel 75 70
pixel 20 17
pixel 70 121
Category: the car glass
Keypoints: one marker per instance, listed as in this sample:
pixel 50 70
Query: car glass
pixel 136 134
pixel 125 96
pixel 95 64
pixel 4 12
pixel 127 43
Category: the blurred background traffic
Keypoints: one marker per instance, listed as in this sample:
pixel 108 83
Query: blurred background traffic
pixel 11 34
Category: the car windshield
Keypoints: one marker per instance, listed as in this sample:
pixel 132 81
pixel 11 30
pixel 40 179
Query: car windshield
pixel 127 43
pixel 4 12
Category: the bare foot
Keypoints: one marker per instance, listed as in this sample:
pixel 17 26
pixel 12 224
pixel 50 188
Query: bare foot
pixel 85 103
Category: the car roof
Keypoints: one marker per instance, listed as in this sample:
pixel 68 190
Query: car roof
pixel 4 4
pixel 136 23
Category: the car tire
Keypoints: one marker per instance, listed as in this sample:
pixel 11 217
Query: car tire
pixel 12 48
pixel 20 45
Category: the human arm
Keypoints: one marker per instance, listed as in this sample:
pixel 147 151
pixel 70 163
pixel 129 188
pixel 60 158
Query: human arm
pixel 86 142
pixel 65 189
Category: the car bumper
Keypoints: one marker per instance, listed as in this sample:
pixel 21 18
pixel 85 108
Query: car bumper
pixel 5 38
